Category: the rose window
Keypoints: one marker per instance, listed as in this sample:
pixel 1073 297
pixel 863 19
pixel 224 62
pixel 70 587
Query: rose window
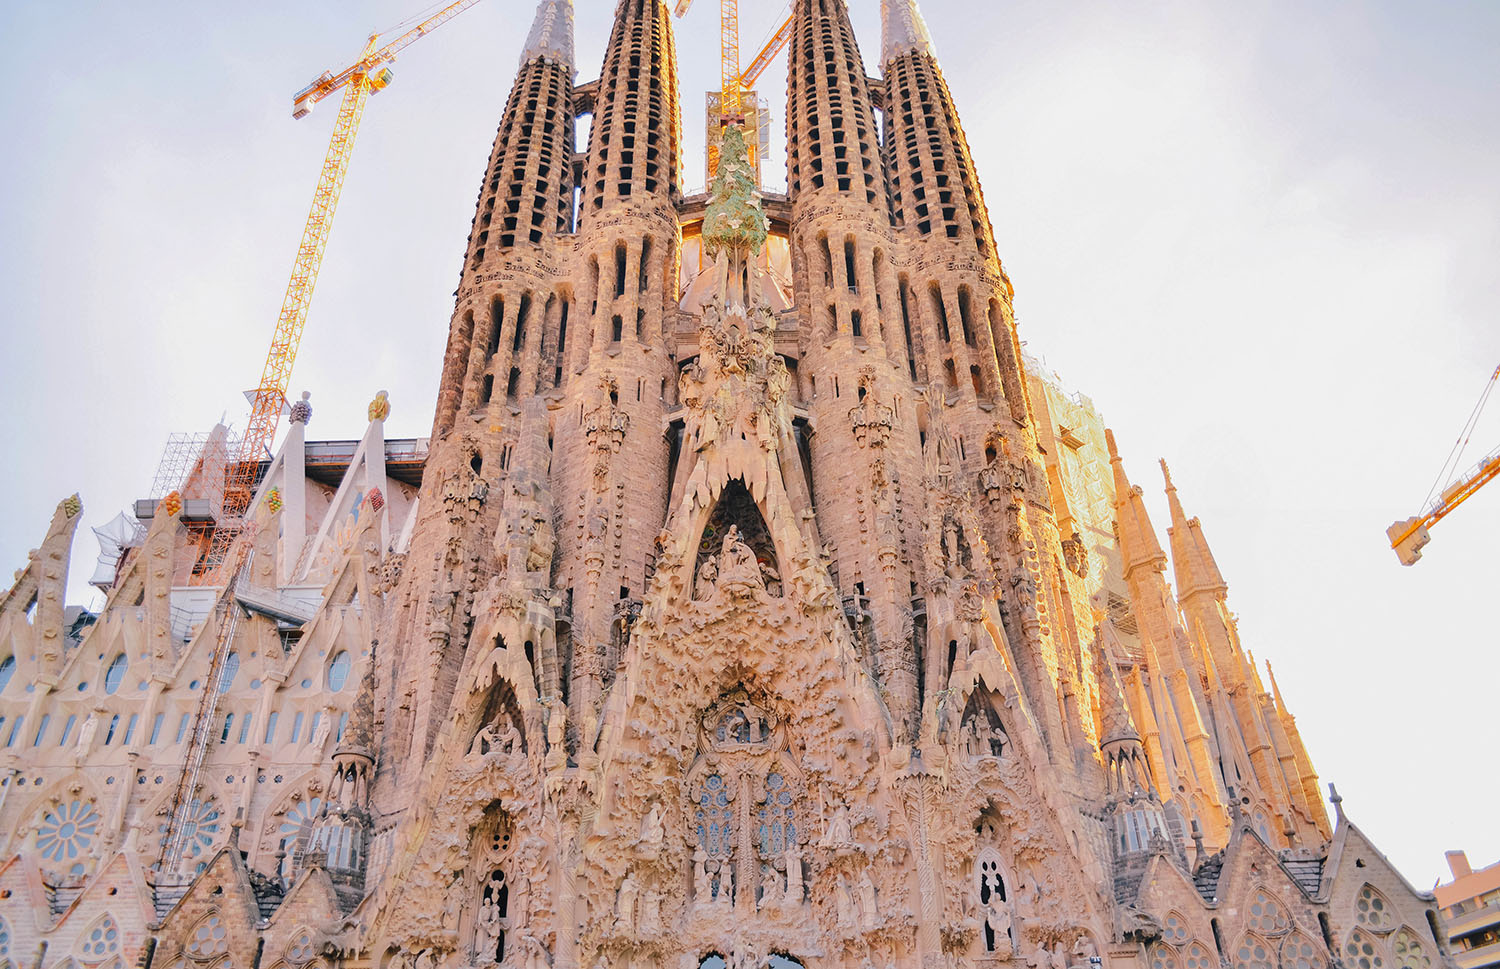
pixel 68 830
pixel 1371 909
pixel 1253 953
pixel 297 825
pixel 1297 952
pixel 209 939
pixel 102 941
pixel 1362 952
pixel 1162 957
pixel 200 828
pixel 1266 915
pixel 1409 952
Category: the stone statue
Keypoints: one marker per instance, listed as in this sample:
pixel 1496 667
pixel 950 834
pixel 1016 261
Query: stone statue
pixel 708 578
pixel 651 912
pixel 509 740
pixel 87 731
pixel 793 873
pixel 320 735
pixel 488 930
pixel 702 889
pixel 869 913
pixel 997 922
pixel 770 887
pixel 653 833
pixel 625 906
pixel 844 904
pixel 838 832
pixel 739 573
pixel 1084 951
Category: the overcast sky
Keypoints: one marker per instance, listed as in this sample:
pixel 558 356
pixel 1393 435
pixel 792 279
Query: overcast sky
pixel 1261 236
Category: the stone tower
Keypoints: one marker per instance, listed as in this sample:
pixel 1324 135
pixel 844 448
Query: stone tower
pixel 751 605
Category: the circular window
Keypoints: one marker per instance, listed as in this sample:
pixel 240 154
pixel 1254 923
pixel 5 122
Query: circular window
pixel 7 670
pixel 338 671
pixel 103 941
pixel 67 831
pixel 115 674
pixel 209 939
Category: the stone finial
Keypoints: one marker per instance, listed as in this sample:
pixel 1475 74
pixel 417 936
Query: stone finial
pixel 551 37
pixel 1337 801
pixel 302 410
pixel 380 407
pixel 734 218
pixel 902 29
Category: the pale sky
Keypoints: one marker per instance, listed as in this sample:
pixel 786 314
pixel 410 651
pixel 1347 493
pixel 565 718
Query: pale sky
pixel 1261 236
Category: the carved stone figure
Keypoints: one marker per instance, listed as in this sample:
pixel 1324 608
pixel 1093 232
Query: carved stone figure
pixel 793 859
pixel 625 904
pixel 653 833
pixel 739 574
pixel 997 923
pixel 868 911
pixel 488 930
pixel 843 904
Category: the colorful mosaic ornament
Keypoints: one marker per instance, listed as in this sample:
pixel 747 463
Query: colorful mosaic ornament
pixel 172 503
pixel 273 500
pixel 377 500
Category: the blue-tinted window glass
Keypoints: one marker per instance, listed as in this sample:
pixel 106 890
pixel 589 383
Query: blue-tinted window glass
pixel 228 725
pixel 338 671
pixel 41 729
pixel 182 726
pixel 231 667
pixel 271 726
pixel 15 731
pixel 296 726
pixel 114 724
pixel 115 674
pixel 245 726
pixel 7 670
pixel 156 728
pixel 130 728
pixel 343 722
pixel 67 730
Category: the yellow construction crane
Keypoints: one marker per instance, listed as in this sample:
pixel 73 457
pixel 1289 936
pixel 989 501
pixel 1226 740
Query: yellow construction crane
pixel 359 80
pixel 1407 537
pixel 733 81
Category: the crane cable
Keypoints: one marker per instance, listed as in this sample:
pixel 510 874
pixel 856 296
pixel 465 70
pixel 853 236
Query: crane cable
pixel 1452 465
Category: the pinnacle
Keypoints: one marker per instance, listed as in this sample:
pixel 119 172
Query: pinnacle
pixel 551 37
pixel 902 29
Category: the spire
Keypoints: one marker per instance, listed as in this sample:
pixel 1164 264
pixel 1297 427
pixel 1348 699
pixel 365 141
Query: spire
pixel 902 29
pixel 1113 711
pixel 551 37
pixel 1138 544
pixel 1193 563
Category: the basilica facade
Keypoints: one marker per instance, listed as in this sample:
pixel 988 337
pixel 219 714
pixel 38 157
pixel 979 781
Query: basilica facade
pixel 754 602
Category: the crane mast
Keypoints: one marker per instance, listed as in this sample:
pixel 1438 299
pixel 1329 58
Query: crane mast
pixel 359 80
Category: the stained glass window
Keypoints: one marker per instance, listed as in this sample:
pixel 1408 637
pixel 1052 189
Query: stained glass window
pixel 715 826
pixel 297 824
pixel 68 830
pixel 777 821
pixel 231 669
pixel 201 829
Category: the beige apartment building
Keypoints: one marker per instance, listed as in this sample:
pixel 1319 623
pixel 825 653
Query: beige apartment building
pixel 1470 906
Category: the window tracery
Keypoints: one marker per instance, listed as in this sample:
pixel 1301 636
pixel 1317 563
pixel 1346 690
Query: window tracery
pixel 209 939
pixel 777 816
pixel 1163 957
pixel 1409 953
pixel 67 831
pixel 994 905
pixel 1253 952
pixel 102 941
pixel 1174 929
pixel 1197 957
pixel 296 829
pixel 1362 951
pixel 202 824
pixel 1297 952
pixel 1372 910
pixel 1266 914
pixel 300 950
pixel 4 938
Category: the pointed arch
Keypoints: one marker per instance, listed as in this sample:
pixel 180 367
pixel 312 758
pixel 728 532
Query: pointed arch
pixel 1198 956
pixel 294 795
pixel 1174 928
pixel 1298 952
pixel 1163 956
pixel 1407 950
pixel 1266 914
pixel 99 941
pixel 208 939
pixel 1372 910
pixel 1363 951
pixel 1254 952
pixel 300 949
pixel 737 508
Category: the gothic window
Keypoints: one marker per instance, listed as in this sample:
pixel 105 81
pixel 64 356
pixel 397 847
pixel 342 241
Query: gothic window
pixel 199 831
pixel 102 941
pixel 1371 909
pixel 115 674
pixel 1163 957
pixel 7 670
pixel 493 917
pixel 301 949
pixel 1174 929
pixel 777 818
pixel 714 817
pixel 4 938
pixel 231 668
pixel 67 831
pixel 1197 957
pixel 1266 914
pixel 1362 951
pixel 1253 952
pixel 296 828
pixel 1297 952
pixel 991 891
pixel 1408 952
pixel 209 939
pixel 338 671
